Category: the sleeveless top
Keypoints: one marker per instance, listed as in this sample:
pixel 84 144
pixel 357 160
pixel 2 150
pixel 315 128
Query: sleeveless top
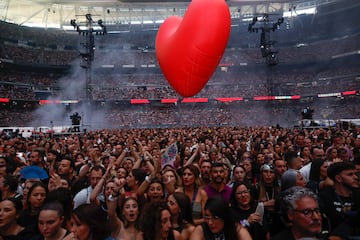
pixel 196 210
pixel 196 206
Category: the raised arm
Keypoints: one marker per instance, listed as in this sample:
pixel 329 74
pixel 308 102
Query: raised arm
pixel 99 186
pixel 193 156
pixel 120 159
pixel 112 203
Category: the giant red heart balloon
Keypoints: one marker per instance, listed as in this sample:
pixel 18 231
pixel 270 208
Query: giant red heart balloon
pixel 190 48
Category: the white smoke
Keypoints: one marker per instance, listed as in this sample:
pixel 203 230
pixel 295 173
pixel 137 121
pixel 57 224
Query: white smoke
pixel 72 87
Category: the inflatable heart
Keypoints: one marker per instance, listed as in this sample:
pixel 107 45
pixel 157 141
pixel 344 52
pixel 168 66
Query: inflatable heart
pixel 190 48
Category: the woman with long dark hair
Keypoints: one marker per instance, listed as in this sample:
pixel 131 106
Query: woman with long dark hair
pixel 90 222
pixel 133 182
pixel 34 202
pixel 219 223
pixel 318 178
pixel 244 209
pixel 10 210
pixel 181 214
pixel 155 222
pixel 126 227
pixel 191 186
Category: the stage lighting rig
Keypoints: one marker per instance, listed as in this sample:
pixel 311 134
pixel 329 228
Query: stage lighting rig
pixel 267 48
pixel 89 26
pixel 87 46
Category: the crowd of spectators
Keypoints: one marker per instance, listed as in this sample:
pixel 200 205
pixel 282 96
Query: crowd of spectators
pixel 85 176
pixel 247 84
pixel 142 78
pixel 38 37
pixel 180 171
pixel 36 56
pixel 15 117
pixel 170 116
pixel 318 51
pixel 16 92
pixel 230 80
pixel 213 113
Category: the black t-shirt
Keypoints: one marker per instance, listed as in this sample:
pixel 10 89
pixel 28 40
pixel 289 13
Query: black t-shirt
pixel 338 208
pixel 287 235
pixel 256 230
pixel 29 221
pixel 25 234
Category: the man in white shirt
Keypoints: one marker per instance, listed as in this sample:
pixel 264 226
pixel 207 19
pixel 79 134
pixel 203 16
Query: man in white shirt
pixel 83 196
pixel 316 153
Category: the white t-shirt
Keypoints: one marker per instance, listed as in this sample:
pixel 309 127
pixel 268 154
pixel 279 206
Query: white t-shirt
pixel 305 171
pixel 82 197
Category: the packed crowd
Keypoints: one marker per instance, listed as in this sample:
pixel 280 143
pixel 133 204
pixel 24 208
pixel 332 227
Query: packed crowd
pixel 164 182
pixel 117 56
pixel 230 80
pixel 124 115
pixel 191 183
pixel 37 37
pixel 247 84
pixel 37 56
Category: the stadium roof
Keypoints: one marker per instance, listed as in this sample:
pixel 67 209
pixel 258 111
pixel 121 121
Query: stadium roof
pixel 58 13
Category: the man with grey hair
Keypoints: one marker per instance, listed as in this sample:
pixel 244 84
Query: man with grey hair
pixel 300 207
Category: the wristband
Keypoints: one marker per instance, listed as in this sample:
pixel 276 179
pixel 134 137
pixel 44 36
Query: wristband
pixel 245 223
pixel 147 179
pixel 112 198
